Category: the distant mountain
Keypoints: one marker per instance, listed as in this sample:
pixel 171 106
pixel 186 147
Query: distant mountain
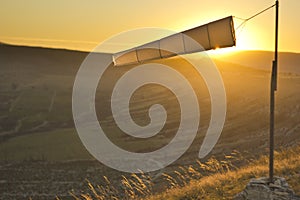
pixel 288 62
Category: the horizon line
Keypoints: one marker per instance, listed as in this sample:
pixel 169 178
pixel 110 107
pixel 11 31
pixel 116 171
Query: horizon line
pixel 87 51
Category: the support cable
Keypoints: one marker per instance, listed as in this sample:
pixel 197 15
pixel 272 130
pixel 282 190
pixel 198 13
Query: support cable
pixel 253 16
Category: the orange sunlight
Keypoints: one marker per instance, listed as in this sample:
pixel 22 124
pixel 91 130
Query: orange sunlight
pixel 246 39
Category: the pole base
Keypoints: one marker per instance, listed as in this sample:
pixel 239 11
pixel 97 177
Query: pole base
pixel 262 189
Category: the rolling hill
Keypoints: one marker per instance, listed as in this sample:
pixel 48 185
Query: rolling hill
pixel 288 62
pixel 37 128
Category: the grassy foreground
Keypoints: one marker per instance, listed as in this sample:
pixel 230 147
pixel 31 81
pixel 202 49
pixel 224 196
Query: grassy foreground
pixel 227 185
pixel 211 180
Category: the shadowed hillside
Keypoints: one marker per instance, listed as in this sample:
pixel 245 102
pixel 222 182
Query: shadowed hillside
pixel 37 128
pixel 288 62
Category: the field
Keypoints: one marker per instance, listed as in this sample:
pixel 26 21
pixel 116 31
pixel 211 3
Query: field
pixel 42 156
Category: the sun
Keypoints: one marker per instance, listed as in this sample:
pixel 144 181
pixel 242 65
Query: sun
pixel 222 51
pixel 245 40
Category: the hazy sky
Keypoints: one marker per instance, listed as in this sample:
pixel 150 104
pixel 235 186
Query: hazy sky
pixel 82 24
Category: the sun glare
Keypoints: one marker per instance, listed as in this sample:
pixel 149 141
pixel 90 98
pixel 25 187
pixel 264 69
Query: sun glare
pixel 245 40
pixel 221 51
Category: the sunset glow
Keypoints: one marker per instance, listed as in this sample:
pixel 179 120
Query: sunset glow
pixel 82 25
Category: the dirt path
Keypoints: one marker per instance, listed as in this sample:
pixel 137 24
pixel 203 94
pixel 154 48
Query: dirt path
pixel 52 101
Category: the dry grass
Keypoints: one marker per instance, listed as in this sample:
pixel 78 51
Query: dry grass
pixel 226 185
pixel 213 179
pixel 132 187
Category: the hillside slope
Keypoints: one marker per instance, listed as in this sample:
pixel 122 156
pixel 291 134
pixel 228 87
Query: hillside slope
pixel 288 62
pixel 37 129
pixel 227 185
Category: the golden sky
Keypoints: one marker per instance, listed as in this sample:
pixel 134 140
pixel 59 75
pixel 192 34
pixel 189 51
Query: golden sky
pixel 82 24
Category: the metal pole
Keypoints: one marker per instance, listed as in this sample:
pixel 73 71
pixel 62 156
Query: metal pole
pixel 272 97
